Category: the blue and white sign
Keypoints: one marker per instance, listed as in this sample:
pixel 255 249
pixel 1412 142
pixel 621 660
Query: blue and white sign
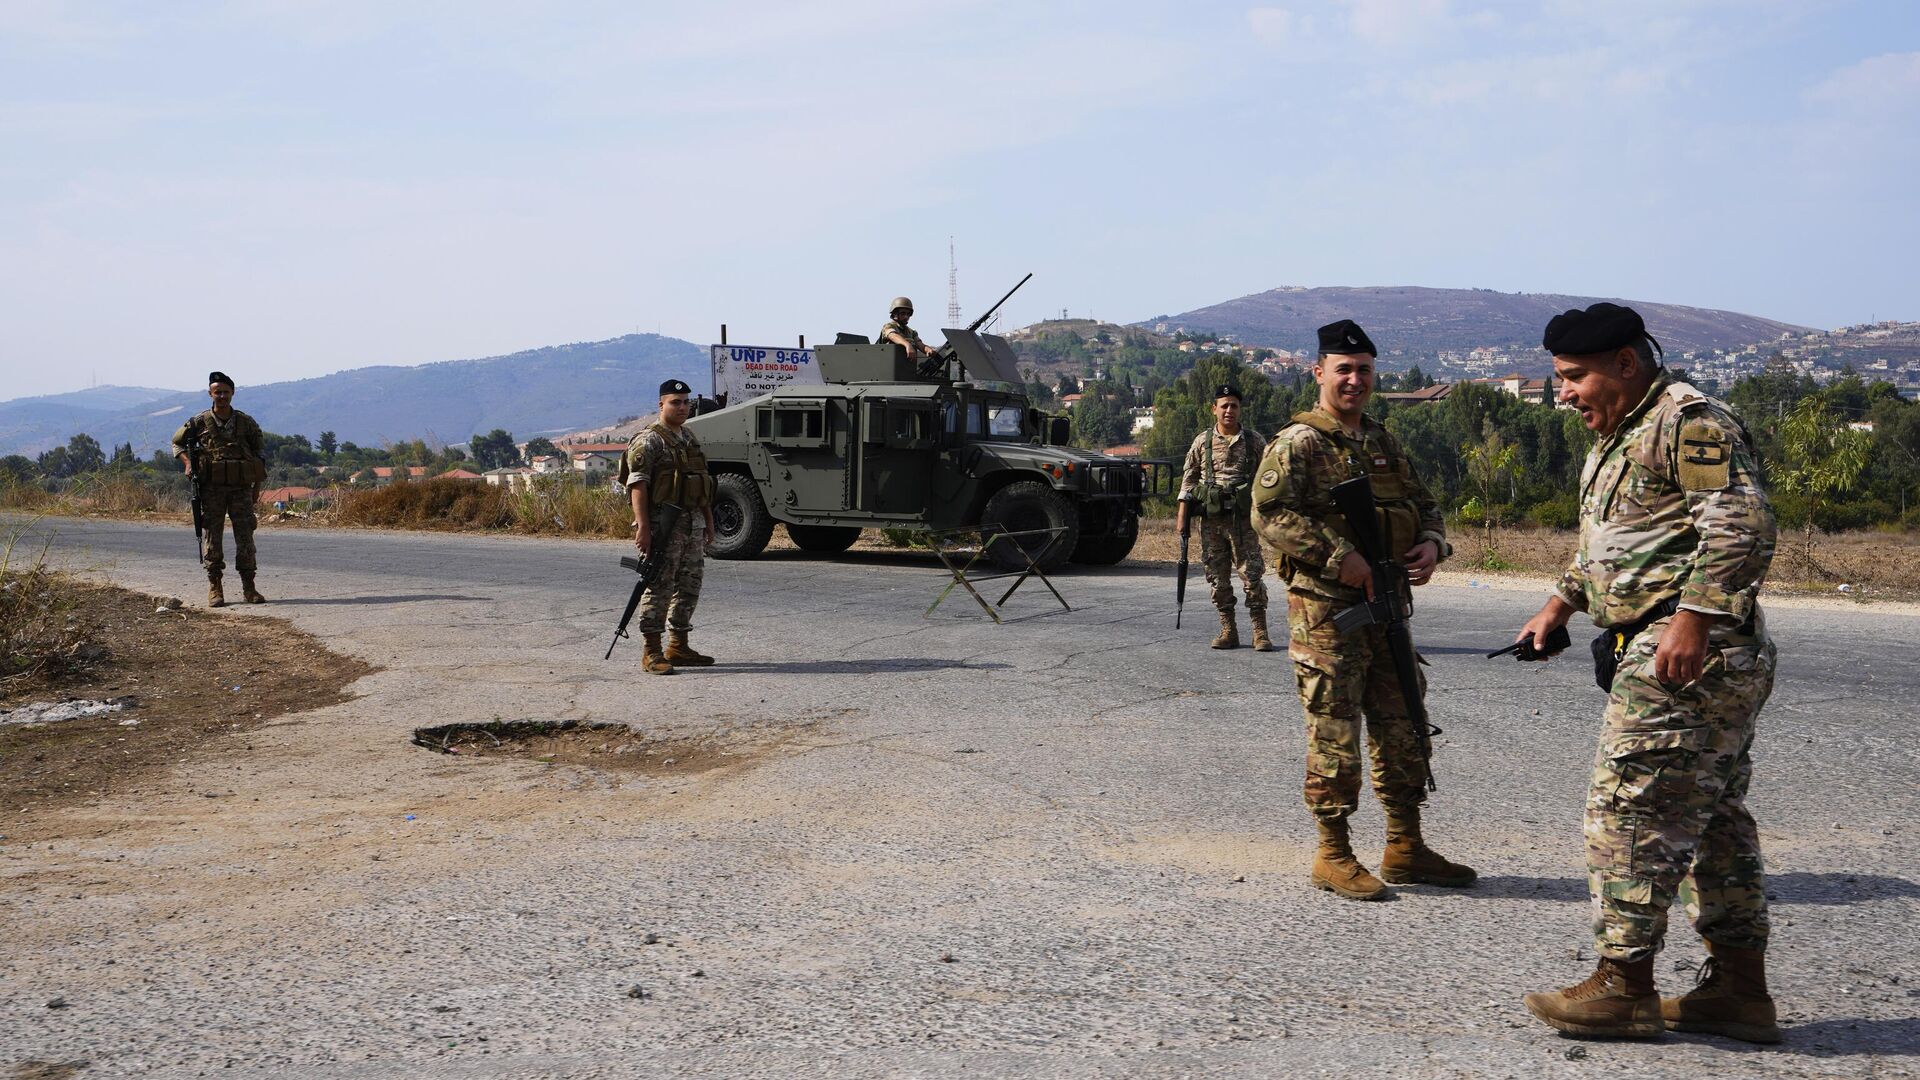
pixel 749 371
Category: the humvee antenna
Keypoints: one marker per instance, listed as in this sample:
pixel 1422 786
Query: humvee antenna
pixel 953 287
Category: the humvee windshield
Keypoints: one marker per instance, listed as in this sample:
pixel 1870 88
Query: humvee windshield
pixel 986 419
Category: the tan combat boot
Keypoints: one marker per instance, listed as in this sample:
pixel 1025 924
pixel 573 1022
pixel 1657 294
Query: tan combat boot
pixel 1617 1001
pixel 247 591
pixel 653 661
pixel 679 652
pixel 1261 642
pixel 1229 633
pixel 1731 998
pixel 1337 871
pixel 1409 861
pixel 216 597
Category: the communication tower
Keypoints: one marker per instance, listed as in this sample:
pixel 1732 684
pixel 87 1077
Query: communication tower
pixel 953 288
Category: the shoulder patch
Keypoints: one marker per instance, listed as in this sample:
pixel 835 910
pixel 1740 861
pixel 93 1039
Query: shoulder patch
pixel 1706 456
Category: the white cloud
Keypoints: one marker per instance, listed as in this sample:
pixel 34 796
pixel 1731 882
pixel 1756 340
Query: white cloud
pixel 1395 23
pixel 1882 83
pixel 1278 25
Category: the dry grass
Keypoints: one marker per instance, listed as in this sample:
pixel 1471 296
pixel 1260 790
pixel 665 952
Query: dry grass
pixel 1882 564
pixel 42 631
pixel 556 509
pixel 111 494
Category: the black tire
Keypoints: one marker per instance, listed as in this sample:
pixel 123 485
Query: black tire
pixel 741 523
pixel 822 539
pixel 1027 505
pixel 1110 548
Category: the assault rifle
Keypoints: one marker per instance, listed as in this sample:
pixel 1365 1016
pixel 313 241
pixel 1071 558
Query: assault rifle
pixel 197 475
pixel 1180 583
pixel 665 517
pixel 1389 608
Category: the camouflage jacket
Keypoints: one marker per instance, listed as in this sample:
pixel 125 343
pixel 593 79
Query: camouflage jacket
pixel 239 440
pixel 1233 459
pixel 1293 502
pixel 1671 506
pixel 651 450
pixel 905 331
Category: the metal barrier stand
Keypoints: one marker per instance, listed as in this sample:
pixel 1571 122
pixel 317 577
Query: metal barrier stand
pixel 951 544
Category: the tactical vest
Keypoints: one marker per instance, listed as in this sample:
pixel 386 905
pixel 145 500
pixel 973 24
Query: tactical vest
pixel 682 478
pixel 1217 498
pixel 222 457
pixel 1398 516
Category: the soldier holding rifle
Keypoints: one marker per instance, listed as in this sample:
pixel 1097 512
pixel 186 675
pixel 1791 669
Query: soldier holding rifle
pixel 1675 540
pixel 224 452
pixel 1344 677
pixel 665 467
pixel 1219 470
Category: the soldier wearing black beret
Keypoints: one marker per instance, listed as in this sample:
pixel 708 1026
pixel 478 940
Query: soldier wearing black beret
pixel 1219 470
pixel 1347 681
pixel 224 451
pixel 1676 536
pixel 665 466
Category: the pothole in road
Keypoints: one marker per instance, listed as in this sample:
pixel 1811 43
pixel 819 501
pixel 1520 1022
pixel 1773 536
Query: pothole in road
pixel 604 745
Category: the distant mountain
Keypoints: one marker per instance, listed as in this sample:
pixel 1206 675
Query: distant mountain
pixel 39 422
pixel 1418 320
pixel 101 398
pixel 541 391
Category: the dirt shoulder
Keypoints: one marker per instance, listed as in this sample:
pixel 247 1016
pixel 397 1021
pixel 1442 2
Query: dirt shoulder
pixel 194 681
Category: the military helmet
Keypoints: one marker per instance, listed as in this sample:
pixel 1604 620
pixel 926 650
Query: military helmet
pixel 898 303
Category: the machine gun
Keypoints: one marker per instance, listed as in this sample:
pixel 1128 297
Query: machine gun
pixel 665 517
pixel 937 360
pixel 1389 607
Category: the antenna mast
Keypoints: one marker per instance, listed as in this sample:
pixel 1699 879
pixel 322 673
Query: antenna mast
pixel 953 287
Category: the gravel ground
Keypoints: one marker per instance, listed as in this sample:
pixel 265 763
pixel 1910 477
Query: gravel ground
pixel 1070 845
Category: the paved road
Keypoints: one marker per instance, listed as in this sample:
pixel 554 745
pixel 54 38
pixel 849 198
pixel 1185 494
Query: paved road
pixel 1096 818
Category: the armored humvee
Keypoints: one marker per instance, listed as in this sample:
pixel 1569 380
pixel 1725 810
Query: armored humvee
pixel 888 443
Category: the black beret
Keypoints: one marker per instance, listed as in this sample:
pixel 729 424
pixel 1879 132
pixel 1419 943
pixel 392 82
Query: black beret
pixel 1601 328
pixel 218 377
pixel 1225 390
pixel 1345 338
pixel 674 386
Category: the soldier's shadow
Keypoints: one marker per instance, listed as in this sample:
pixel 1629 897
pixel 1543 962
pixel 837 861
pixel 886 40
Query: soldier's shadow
pixel 893 665
pixel 1790 888
pixel 410 598
pixel 1899 1037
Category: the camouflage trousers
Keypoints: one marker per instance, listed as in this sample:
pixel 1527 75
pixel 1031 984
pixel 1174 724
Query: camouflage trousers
pixel 1666 813
pixel 217 504
pixel 670 600
pixel 1344 678
pixel 1228 542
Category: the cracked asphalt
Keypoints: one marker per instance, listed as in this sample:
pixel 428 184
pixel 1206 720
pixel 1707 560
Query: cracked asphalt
pixel 1070 845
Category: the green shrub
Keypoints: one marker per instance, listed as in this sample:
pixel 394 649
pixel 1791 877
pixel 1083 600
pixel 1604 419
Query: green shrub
pixel 1557 512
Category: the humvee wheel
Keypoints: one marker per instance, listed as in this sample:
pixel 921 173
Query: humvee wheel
pixel 1109 549
pixel 741 523
pixel 823 539
pixel 1028 505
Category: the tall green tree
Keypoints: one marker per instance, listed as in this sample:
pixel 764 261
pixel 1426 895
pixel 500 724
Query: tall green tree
pixel 328 444
pixel 494 450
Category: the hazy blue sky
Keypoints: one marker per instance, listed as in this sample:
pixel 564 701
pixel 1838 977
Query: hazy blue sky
pixel 284 188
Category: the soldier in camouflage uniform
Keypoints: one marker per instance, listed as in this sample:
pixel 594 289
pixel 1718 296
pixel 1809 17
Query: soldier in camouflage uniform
pixel 1343 678
pixel 1219 470
pixel 665 465
pixel 896 330
pixel 224 452
pixel 1675 540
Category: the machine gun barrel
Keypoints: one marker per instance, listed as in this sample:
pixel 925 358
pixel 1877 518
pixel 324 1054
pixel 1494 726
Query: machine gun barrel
pixel 982 320
pixel 1390 608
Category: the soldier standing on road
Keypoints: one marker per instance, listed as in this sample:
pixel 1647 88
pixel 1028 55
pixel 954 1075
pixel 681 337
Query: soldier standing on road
pixel 1343 677
pixel 1675 540
pixel 224 452
pixel 1219 470
pixel 664 464
pixel 896 330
